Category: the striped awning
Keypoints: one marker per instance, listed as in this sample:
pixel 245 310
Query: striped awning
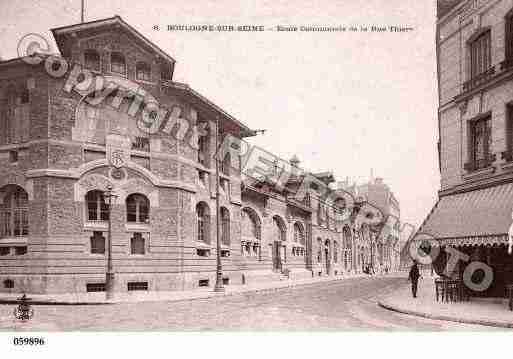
pixel 479 217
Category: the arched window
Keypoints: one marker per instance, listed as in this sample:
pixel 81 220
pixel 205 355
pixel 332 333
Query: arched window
pixel 225 226
pixel 279 229
pixel 299 235
pixel 117 63
pixel 203 222
pixel 14 212
pixel 137 208
pixel 97 208
pixel 143 71
pixel 92 60
pixel 251 223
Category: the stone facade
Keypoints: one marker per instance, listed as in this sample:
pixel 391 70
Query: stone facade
pixel 464 100
pixel 60 156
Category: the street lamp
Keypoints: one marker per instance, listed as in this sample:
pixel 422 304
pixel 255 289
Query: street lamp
pixel 219 287
pixel 109 275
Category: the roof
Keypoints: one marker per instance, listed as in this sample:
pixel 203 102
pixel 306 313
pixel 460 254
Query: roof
pixel 60 33
pixel 191 94
pixel 444 6
pixel 477 217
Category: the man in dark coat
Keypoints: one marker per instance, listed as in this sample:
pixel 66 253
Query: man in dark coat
pixel 414 278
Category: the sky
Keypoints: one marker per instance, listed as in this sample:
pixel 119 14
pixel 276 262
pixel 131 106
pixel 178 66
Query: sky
pixel 342 102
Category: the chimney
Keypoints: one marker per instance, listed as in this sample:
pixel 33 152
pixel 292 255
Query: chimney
pixel 294 161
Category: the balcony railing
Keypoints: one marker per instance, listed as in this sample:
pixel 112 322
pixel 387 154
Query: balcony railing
pixel 480 164
pixel 479 79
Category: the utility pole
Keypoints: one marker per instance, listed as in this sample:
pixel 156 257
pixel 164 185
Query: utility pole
pixel 82 11
pixel 219 287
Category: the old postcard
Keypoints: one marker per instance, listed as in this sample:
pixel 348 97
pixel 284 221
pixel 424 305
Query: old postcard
pixel 304 166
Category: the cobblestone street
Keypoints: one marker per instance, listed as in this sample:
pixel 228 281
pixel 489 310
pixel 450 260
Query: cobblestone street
pixel 349 304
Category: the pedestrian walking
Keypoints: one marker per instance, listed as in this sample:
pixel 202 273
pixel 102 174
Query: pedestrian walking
pixel 414 278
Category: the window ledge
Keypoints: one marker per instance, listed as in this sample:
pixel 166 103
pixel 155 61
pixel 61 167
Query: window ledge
pixel 100 226
pixel 137 227
pixel 14 240
pixel 202 245
pixel 140 153
pixel 479 173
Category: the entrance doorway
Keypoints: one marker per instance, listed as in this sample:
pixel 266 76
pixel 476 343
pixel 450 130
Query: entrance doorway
pixel 277 266
pixel 327 255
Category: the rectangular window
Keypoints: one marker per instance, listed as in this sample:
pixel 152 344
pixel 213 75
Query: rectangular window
pixel 509 40
pixel 21 250
pixel 137 286
pixel 203 283
pixel 141 144
pixel 509 132
pixel 95 287
pixel 13 156
pixel 137 244
pixel 480 54
pixel 480 143
pixel 5 251
pixel 97 243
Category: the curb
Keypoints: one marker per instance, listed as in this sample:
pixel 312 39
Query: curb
pixel 207 295
pixel 447 318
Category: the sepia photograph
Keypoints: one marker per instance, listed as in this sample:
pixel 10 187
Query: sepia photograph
pixel 315 170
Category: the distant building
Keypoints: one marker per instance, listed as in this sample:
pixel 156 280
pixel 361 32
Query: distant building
pixel 375 250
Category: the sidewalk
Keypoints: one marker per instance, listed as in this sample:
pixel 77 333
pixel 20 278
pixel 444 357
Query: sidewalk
pixel 483 311
pixel 171 296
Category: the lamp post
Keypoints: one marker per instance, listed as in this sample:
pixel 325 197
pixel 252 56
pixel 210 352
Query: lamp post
pixel 109 275
pixel 219 287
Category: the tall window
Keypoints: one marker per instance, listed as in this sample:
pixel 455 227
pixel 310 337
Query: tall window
pixel 225 226
pixel 335 252
pixel 97 208
pixel 165 72
pixel 299 235
pixel 480 132
pixel 225 164
pixel 137 208
pixel 509 129
pixel 97 243
pixel 16 117
pixel 14 212
pixel 143 71
pixel 137 244
pixel 509 38
pixel 117 63
pixel 203 222
pixel 480 54
pixel 92 60
pixel 203 149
